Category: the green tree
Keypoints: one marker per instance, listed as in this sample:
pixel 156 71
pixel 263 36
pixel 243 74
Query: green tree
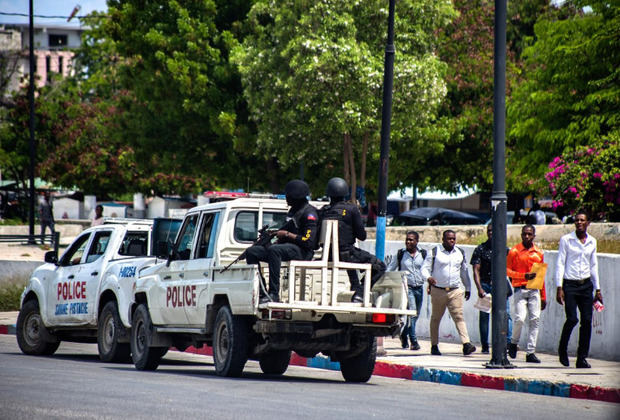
pixel 313 74
pixel 570 95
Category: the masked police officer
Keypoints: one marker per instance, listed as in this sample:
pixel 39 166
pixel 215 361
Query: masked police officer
pixel 350 228
pixel 296 239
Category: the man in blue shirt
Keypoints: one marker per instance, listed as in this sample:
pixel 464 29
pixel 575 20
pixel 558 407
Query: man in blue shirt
pixel 481 263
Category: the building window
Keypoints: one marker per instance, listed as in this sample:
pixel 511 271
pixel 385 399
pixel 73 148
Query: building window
pixel 60 65
pixel 47 68
pixel 57 40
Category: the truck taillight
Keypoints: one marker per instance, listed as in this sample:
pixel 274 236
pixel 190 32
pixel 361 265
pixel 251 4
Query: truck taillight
pixel 382 318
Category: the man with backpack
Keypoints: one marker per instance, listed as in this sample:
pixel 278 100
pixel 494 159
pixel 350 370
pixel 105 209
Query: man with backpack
pixel 445 267
pixel 350 228
pixel 410 260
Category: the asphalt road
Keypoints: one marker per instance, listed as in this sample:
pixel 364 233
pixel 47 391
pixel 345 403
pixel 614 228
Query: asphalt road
pixel 74 384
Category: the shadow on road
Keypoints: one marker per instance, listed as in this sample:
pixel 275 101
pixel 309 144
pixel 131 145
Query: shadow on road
pixel 167 367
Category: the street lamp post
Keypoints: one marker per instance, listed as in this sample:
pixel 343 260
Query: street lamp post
pixel 31 124
pixel 388 81
pixel 498 197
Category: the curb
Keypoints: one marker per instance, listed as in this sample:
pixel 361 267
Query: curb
pixel 416 373
pixel 7 329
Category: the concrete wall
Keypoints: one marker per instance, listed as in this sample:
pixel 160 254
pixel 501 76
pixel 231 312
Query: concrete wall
pixel 544 233
pixel 11 271
pixel 605 343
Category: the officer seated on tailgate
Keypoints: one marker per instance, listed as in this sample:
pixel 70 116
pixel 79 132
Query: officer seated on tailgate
pixel 350 228
pixel 296 239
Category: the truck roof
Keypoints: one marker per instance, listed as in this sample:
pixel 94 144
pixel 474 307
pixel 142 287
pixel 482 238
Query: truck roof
pixel 251 203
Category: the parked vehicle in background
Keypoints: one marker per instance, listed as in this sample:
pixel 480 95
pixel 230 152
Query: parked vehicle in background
pixel 85 295
pixel 435 216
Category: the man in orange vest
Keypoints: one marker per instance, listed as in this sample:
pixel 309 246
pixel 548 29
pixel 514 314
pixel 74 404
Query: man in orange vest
pixel 519 264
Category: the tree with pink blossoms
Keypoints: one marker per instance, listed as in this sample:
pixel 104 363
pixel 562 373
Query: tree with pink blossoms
pixel 588 178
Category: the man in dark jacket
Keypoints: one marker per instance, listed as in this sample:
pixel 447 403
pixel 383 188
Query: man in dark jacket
pixel 296 239
pixel 350 228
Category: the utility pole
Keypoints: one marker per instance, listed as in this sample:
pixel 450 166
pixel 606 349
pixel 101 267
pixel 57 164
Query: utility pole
pixel 499 360
pixel 388 81
pixel 31 124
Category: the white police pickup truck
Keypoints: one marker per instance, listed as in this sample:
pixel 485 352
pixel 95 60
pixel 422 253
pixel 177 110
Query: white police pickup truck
pixel 191 300
pixel 85 295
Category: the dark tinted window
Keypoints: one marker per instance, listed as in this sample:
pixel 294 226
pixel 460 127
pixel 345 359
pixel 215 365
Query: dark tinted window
pixel 246 224
pixel 57 40
pixel 134 244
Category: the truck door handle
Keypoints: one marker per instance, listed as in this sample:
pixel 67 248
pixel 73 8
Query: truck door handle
pixel 94 273
pixel 206 274
pixel 181 275
pixel 167 277
pixel 71 276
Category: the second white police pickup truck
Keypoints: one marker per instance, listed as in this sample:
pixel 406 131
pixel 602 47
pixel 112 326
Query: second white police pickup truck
pixel 86 294
pixel 191 300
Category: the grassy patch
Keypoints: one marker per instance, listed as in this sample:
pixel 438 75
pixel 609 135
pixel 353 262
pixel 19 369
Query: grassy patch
pixel 10 292
pixel 11 222
pixel 9 297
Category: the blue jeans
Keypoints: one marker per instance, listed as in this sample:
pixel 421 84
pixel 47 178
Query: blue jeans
pixel 414 297
pixel 484 320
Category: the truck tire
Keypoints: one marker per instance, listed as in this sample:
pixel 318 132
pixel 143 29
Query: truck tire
pixel 359 368
pixel 230 344
pixel 32 336
pixel 144 357
pixel 109 329
pixel 275 362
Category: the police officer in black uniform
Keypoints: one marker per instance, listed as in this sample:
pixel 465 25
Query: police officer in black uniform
pixel 350 227
pixel 296 239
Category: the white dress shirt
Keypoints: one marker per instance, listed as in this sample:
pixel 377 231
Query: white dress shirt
pixel 577 260
pixel 449 269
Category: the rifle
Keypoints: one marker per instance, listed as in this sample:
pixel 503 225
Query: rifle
pixel 265 234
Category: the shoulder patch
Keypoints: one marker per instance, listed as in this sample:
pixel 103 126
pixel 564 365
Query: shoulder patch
pixel 311 216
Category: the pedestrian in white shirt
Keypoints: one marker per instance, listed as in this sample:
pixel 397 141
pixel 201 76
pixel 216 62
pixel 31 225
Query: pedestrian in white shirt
pixel 445 267
pixel 576 278
pixel 98 219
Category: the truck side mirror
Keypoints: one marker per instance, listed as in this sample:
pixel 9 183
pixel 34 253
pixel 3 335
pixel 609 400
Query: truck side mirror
pixel 51 257
pixel 162 249
pixel 172 255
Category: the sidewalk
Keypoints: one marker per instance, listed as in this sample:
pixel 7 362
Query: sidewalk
pixel 601 382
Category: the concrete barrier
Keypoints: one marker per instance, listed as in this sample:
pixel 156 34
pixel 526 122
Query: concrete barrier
pixel 605 343
pixel 10 271
pixel 544 233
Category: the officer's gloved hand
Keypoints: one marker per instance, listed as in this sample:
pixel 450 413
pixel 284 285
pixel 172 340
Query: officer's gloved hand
pixel 467 295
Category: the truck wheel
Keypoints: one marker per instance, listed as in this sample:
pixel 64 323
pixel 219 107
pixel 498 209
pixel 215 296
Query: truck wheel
pixel 109 329
pixel 32 336
pixel 359 368
pixel 144 357
pixel 275 362
pixel 230 346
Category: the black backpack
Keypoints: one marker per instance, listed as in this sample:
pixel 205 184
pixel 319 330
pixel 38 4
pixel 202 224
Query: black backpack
pixel 402 251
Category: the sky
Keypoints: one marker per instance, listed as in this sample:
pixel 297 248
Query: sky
pixel 48 8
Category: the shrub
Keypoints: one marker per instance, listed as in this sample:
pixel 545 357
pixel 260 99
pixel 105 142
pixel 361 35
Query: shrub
pixel 588 178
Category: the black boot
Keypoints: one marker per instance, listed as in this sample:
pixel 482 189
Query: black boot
pixel 563 355
pixel 512 350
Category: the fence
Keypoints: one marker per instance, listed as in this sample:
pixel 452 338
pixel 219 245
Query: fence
pixel 53 239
